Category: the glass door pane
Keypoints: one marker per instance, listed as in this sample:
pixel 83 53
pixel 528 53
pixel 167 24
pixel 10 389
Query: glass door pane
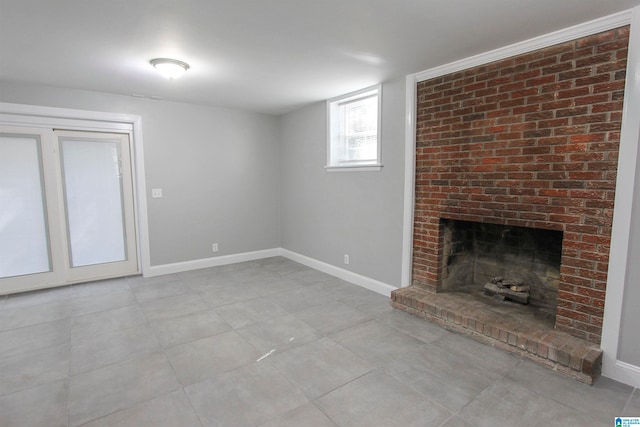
pixel 92 185
pixel 24 242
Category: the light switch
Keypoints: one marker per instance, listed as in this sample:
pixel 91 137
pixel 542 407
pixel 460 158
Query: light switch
pixel 156 193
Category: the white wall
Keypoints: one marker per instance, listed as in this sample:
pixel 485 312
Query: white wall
pixel 621 319
pixel 621 357
pixel 629 343
pixel 325 215
pixel 216 166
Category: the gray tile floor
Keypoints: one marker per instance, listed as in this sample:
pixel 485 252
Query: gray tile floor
pixel 265 343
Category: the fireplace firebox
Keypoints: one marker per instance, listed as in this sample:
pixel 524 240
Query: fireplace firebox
pixel 475 254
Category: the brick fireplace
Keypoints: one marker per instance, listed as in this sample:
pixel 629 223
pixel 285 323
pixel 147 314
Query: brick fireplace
pixel 530 141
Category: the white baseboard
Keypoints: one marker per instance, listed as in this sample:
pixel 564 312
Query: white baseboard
pixel 621 371
pixel 159 270
pixel 357 279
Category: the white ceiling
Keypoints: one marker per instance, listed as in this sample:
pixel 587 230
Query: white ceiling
pixel 269 56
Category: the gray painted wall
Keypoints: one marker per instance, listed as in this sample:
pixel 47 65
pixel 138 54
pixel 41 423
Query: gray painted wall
pixel 217 168
pixel 628 339
pixel 250 182
pixel 325 215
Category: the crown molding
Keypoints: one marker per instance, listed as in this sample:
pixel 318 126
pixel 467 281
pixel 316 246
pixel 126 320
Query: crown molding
pixel 561 36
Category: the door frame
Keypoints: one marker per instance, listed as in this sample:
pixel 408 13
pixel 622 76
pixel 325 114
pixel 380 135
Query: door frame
pixel 96 121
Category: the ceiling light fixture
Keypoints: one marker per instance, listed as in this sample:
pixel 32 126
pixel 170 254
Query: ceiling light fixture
pixel 169 68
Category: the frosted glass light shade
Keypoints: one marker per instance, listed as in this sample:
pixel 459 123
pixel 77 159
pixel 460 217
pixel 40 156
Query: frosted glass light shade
pixel 170 68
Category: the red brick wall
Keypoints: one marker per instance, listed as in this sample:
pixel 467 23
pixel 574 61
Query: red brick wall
pixel 528 141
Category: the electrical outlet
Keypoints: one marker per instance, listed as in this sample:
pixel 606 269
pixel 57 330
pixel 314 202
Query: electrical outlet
pixel 214 247
pixel 346 258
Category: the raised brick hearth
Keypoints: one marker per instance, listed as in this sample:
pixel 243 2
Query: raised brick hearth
pixel 518 331
pixel 530 141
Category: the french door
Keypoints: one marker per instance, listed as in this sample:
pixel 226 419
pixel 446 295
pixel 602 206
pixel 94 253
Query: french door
pixel 66 207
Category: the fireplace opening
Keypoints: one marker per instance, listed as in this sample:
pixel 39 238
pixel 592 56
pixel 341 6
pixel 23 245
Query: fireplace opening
pixel 476 255
pixel 472 254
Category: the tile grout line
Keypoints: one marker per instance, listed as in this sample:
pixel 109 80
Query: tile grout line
pixel 373 367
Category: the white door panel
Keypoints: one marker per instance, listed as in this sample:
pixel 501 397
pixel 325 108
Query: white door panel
pixel 66 208
pixel 98 202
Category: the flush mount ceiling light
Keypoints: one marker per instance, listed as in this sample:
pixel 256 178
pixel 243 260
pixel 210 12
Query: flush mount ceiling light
pixel 169 68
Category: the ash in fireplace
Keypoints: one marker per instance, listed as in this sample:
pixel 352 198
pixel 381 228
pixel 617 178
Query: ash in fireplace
pixel 508 289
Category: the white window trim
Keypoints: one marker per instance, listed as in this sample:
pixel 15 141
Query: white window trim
pixel 355 167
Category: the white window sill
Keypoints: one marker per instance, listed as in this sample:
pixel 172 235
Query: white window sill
pixel 354 168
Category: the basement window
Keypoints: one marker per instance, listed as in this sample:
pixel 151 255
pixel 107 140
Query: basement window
pixel 354 131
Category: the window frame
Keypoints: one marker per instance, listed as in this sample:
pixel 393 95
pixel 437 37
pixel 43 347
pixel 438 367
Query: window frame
pixel 336 141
